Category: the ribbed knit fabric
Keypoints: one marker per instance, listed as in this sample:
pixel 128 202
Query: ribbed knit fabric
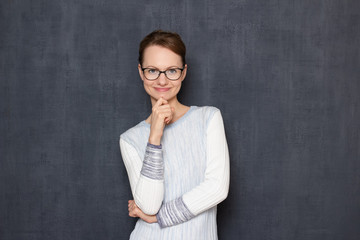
pixel 174 212
pixel 196 176
pixel 153 164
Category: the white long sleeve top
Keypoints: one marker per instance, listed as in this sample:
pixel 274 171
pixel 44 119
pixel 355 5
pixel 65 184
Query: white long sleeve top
pixel 182 180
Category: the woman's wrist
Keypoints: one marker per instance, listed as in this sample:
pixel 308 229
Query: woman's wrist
pixel 153 219
pixel 155 140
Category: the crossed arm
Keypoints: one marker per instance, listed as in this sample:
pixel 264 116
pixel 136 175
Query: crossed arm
pixel 148 189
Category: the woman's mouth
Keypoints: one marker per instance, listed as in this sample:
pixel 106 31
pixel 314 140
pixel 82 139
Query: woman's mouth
pixel 162 89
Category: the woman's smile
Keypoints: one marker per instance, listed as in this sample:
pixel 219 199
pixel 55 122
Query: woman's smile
pixel 161 89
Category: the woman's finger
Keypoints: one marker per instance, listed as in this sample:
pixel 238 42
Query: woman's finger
pixel 169 116
pixel 162 108
pixel 160 102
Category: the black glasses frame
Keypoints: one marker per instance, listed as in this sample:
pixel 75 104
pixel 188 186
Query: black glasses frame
pixel 164 72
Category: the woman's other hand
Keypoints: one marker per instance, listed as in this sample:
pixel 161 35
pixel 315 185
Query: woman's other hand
pixel 135 211
pixel 162 114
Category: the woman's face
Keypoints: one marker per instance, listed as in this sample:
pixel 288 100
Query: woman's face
pixel 157 57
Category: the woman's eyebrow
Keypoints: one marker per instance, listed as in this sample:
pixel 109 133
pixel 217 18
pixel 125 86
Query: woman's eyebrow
pixel 165 68
pixel 150 67
pixel 173 67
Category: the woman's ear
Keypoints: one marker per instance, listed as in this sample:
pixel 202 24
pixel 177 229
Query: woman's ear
pixel 140 72
pixel 184 72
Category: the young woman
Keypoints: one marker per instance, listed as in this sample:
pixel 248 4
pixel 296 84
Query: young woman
pixel 177 159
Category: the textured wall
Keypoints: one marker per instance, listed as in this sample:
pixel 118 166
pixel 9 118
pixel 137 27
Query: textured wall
pixel 286 75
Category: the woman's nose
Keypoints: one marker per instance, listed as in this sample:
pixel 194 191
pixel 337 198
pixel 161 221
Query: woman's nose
pixel 162 79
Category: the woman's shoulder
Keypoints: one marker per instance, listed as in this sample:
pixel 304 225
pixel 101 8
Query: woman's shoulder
pixel 135 133
pixel 206 111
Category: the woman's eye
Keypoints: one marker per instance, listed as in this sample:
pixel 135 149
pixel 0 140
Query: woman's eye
pixel 152 71
pixel 172 71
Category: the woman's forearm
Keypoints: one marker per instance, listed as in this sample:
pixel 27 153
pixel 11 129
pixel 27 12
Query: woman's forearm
pixel 146 177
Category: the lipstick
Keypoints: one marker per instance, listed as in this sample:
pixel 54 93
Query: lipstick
pixel 162 89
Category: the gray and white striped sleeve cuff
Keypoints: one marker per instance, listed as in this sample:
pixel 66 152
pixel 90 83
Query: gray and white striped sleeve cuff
pixel 153 165
pixel 173 212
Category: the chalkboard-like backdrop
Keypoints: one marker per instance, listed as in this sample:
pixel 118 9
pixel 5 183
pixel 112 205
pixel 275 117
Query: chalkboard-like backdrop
pixel 285 74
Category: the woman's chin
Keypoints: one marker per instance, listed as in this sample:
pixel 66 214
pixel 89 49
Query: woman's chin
pixel 161 95
pixel 164 96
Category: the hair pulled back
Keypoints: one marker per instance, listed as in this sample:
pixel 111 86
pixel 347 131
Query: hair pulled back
pixel 169 40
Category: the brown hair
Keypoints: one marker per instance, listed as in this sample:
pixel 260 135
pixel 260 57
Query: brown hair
pixel 169 40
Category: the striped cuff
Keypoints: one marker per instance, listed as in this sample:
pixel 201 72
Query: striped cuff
pixel 154 146
pixel 172 213
pixel 153 166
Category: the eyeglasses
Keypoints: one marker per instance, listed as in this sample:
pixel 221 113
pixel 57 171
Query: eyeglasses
pixel 172 74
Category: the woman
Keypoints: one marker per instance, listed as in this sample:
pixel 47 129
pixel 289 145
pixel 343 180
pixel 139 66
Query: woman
pixel 177 159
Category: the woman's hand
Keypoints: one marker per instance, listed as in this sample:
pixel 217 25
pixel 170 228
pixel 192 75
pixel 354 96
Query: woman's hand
pixel 135 211
pixel 161 114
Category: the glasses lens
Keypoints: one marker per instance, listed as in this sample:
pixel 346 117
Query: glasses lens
pixel 173 74
pixel 151 74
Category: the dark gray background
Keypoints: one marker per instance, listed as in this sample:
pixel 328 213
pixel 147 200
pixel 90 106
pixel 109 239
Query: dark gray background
pixel 285 75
